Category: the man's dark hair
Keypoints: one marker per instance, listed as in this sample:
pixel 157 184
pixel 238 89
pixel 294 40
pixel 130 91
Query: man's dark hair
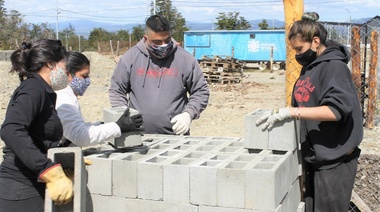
pixel 157 23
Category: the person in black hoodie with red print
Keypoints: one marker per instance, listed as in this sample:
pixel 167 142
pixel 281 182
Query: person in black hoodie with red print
pixel 324 98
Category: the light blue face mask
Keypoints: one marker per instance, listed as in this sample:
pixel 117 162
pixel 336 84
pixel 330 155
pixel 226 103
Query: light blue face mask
pixel 79 86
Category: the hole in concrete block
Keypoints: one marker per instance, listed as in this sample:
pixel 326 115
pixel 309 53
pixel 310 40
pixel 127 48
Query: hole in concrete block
pixel 223 138
pixel 219 157
pixel 183 161
pixel 278 152
pixel 205 148
pixel 169 153
pixel 272 158
pixel 229 149
pixel 191 142
pixel 171 142
pixel 245 158
pixel 156 160
pixel 182 147
pixel 237 144
pixel 264 166
pixel 215 142
pixel 133 157
pixel 254 151
pixel 194 155
pixel 236 165
pixel 160 146
pixel 210 163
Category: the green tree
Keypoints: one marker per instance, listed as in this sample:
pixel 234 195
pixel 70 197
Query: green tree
pixel 15 29
pixel 263 25
pixel 137 33
pixel 39 31
pixel 122 35
pixel 231 21
pixel 177 22
pixel 98 34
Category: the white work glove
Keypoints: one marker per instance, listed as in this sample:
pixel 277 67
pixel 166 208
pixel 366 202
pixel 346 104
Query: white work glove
pixel 271 117
pixel 181 123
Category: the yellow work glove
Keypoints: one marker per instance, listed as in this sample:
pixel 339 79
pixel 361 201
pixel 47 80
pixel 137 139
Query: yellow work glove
pixel 60 187
pixel 87 162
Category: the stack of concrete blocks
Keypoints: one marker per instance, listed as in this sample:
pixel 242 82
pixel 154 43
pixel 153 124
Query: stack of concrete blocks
pixel 284 136
pixel 200 174
pixel 128 139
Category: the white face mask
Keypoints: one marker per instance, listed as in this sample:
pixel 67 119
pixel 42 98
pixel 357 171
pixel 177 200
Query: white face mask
pixel 59 79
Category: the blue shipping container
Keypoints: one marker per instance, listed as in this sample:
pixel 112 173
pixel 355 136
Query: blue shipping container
pixel 245 45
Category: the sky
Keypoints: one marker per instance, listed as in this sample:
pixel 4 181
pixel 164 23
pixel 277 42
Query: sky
pixel 136 11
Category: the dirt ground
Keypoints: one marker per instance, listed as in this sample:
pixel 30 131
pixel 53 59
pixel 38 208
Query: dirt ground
pixel 224 116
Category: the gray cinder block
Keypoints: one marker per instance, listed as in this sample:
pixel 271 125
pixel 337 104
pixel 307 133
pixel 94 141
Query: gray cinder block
pixel 268 180
pixel 71 160
pixel 126 139
pixel 292 199
pixel 285 135
pixel 100 175
pixel 254 136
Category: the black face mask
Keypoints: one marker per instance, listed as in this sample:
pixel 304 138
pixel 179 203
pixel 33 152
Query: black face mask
pixel 306 58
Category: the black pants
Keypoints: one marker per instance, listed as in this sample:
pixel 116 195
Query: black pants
pixel 34 204
pixel 331 189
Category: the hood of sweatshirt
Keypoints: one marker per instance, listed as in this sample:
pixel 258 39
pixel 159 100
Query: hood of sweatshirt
pixel 333 51
pixel 141 45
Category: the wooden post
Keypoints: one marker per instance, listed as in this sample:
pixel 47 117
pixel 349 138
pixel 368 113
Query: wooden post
pixel 372 80
pixel 293 12
pixel 111 47
pixel 355 53
pixel 117 48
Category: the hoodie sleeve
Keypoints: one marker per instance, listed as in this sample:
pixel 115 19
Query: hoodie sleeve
pixel 120 83
pixel 198 90
pixel 339 91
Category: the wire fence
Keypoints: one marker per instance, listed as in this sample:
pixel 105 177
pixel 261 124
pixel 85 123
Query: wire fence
pixel 362 41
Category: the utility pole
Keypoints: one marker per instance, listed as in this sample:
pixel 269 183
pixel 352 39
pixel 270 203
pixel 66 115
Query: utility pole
pixel 56 24
pixel 154 7
pixel 348 27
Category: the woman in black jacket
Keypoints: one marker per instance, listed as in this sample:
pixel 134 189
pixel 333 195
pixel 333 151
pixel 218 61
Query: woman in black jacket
pixel 325 99
pixel 31 127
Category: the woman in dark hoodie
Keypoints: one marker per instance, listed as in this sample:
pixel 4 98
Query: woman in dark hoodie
pixel 324 98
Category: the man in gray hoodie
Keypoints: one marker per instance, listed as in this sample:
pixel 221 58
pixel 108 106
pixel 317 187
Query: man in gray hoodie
pixel 164 82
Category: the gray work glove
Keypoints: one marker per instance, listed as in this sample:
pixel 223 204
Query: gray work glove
pixel 271 117
pixel 129 123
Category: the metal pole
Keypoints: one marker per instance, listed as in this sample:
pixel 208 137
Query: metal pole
pixel 348 27
pixel 56 25
pixel 154 7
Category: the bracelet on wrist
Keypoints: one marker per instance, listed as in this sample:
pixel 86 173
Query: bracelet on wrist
pixel 297 113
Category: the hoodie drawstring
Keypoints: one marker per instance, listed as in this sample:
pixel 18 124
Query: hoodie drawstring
pixel 146 71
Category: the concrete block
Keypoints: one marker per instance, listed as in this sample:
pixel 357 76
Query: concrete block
pixel 150 178
pixel 285 135
pixel 71 160
pixel 177 176
pixel 126 139
pixel 101 203
pixel 269 179
pixel 254 137
pixel 100 174
pixel 125 175
pixel 140 205
pixel 301 207
pixel 231 180
pixel 203 179
pixel 292 199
